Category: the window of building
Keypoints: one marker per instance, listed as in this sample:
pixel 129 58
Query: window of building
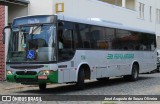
pixel 114 2
pixel 141 10
pixel 129 4
pixel 150 13
pixel 158 16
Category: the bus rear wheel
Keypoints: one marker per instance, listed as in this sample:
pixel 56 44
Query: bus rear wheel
pixel 80 81
pixel 42 86
pixel 135 73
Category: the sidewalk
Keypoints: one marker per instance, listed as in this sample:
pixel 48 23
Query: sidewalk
pixel 4 85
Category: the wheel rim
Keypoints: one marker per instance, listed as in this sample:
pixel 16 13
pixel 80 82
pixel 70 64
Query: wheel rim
pixel 135 73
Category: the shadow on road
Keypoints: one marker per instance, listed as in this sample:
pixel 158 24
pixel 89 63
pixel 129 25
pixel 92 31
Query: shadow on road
pixel 89 85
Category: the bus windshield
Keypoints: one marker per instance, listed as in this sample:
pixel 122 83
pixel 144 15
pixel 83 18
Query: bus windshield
pixel 30 43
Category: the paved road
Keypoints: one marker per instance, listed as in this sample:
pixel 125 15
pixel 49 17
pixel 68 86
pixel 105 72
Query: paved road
pixel 148 84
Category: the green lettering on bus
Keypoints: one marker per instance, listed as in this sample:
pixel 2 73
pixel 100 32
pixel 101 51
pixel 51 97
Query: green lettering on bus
pixel 120 56
pixel 110 56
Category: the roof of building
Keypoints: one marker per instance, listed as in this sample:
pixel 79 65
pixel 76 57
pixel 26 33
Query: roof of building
pixel 17 2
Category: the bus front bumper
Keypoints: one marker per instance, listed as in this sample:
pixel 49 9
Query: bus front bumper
pixel 33 79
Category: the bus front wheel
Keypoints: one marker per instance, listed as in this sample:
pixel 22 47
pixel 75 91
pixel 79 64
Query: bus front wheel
pixel 42 86
pixel 80 80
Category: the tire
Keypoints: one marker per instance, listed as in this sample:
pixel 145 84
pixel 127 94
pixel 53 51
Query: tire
pixel 42 86
pixel 135 73
pixel 158 69
pixel 80 80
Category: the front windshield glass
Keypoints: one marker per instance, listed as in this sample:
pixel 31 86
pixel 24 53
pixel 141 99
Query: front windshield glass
pixel 32 43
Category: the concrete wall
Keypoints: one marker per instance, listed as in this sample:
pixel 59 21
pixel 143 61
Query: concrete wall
pixel 157 5
pixel 41 7
pixel 16 11
pixel 97 9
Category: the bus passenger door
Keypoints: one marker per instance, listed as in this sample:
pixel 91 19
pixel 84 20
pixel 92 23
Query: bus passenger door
pixel 66 50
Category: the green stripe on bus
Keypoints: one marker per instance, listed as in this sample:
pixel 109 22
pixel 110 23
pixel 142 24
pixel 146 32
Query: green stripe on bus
pixel 53 77
pixel 10 78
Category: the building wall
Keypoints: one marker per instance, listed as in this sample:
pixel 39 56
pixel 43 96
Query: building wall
pixel 2 49
pixel 157 5
pixel 7 14
pixel 16 11
pixel 98 9
pixel 41 7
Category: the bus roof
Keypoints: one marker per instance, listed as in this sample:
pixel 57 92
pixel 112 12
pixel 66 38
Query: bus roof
pixel 94 21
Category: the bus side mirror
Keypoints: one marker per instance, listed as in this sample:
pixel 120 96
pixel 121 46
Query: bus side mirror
pixel 4 34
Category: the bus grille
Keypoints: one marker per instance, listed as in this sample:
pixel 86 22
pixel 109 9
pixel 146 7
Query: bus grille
pixel 26 80
pixel 27 67
pixel 26 73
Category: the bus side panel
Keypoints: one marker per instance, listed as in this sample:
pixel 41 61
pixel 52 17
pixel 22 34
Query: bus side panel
pixel 102 65
pixel 68 71
pixel 99 73
pixel 93 73
pixel 60 76
pixel 73 76
pixel 66 75
pixel 147 61
pixel 97 61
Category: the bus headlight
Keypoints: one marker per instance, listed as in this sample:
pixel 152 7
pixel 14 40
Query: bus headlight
pixel 45 72
pixel 9 72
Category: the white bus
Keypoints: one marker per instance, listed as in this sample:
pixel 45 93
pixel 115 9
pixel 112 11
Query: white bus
pixel 58 49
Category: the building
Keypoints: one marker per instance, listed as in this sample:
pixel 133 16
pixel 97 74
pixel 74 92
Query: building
pixel 143 14
pixel 2 16
pixel 9 9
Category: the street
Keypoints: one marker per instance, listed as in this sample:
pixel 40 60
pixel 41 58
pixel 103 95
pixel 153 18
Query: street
pixel 148 84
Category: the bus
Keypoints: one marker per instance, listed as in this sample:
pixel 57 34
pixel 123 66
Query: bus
pixel 45 49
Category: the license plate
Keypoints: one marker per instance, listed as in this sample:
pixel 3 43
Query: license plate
pixel 42 77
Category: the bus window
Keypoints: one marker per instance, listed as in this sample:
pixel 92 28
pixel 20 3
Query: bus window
pixel 77 37
pixel 110 37
pixel 66 41
pixel 124 39
pixel 147 42
pixel 98 38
